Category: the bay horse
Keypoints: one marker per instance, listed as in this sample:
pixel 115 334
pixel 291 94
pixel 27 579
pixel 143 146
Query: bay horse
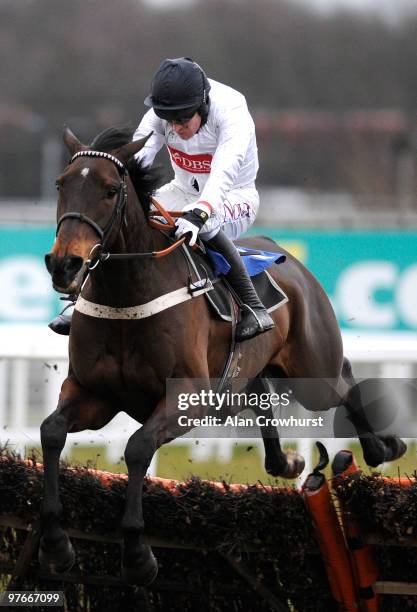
pixel 122 365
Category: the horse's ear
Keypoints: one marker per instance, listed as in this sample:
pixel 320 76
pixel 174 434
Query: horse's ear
pixel 130 149
pixel 71 142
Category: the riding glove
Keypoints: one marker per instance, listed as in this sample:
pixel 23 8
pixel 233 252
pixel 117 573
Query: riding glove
pixel 191 223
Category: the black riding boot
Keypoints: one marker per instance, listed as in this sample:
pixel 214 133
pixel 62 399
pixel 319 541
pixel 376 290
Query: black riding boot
pixel 61 324
pixel 255 318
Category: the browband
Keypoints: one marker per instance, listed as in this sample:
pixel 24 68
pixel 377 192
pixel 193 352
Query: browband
pixel 102 154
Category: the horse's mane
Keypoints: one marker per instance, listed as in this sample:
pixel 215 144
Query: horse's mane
pixel 145 180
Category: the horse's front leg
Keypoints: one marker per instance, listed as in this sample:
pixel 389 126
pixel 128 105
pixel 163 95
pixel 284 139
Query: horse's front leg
pixel 77 410
pixel 139 565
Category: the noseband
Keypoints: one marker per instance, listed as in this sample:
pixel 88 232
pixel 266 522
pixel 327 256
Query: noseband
pixel 119 209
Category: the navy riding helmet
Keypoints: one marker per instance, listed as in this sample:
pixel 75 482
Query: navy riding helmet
pixel 179 89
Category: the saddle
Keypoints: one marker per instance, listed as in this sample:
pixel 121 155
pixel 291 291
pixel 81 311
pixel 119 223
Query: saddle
pixel 200 262
pixel 202 266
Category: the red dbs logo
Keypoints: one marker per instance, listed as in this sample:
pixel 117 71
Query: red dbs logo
pixel 197 164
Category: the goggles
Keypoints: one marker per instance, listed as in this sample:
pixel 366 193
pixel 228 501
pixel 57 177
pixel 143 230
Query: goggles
pixel 180 117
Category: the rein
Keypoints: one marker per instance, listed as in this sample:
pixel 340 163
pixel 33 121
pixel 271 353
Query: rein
pixel 118 215
pixel 152 218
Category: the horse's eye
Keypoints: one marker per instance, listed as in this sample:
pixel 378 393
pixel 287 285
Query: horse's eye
pixel 111 192
pixel 57 185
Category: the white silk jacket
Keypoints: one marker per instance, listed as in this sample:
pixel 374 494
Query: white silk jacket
pixel 222 155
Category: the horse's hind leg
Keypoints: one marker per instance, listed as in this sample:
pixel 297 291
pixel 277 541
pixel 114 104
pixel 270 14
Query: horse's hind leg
pixel 76 411
pixel 288 464
pixel 376 449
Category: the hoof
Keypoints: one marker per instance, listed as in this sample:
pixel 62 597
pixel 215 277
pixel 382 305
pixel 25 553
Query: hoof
pixel 378 449
pixel 394 447
pixel 140 569
pixel 373 450
pixel 275 470
pixel 295 465
pixel 59 559
pixel 292 468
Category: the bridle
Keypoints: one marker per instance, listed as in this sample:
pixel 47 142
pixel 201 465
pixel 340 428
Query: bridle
pixel 119 209
pixel 117 216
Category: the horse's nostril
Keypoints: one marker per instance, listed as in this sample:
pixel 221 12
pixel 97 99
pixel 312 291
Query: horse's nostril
pixel 63 270
pixel 72 264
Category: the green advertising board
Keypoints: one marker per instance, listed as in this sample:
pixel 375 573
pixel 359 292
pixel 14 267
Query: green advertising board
pixel 371 277
pixel 27 295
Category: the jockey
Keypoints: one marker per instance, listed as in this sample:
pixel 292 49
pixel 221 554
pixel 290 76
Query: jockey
pixel 210 137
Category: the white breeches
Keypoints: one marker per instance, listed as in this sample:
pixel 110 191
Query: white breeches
pixel 234 216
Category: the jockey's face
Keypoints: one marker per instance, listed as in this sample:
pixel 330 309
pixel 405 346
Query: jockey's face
pixel 187 129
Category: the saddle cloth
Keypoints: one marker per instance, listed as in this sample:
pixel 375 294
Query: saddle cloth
pixel 269 292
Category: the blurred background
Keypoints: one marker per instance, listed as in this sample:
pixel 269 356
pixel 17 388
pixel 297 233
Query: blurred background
pixel 332 86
